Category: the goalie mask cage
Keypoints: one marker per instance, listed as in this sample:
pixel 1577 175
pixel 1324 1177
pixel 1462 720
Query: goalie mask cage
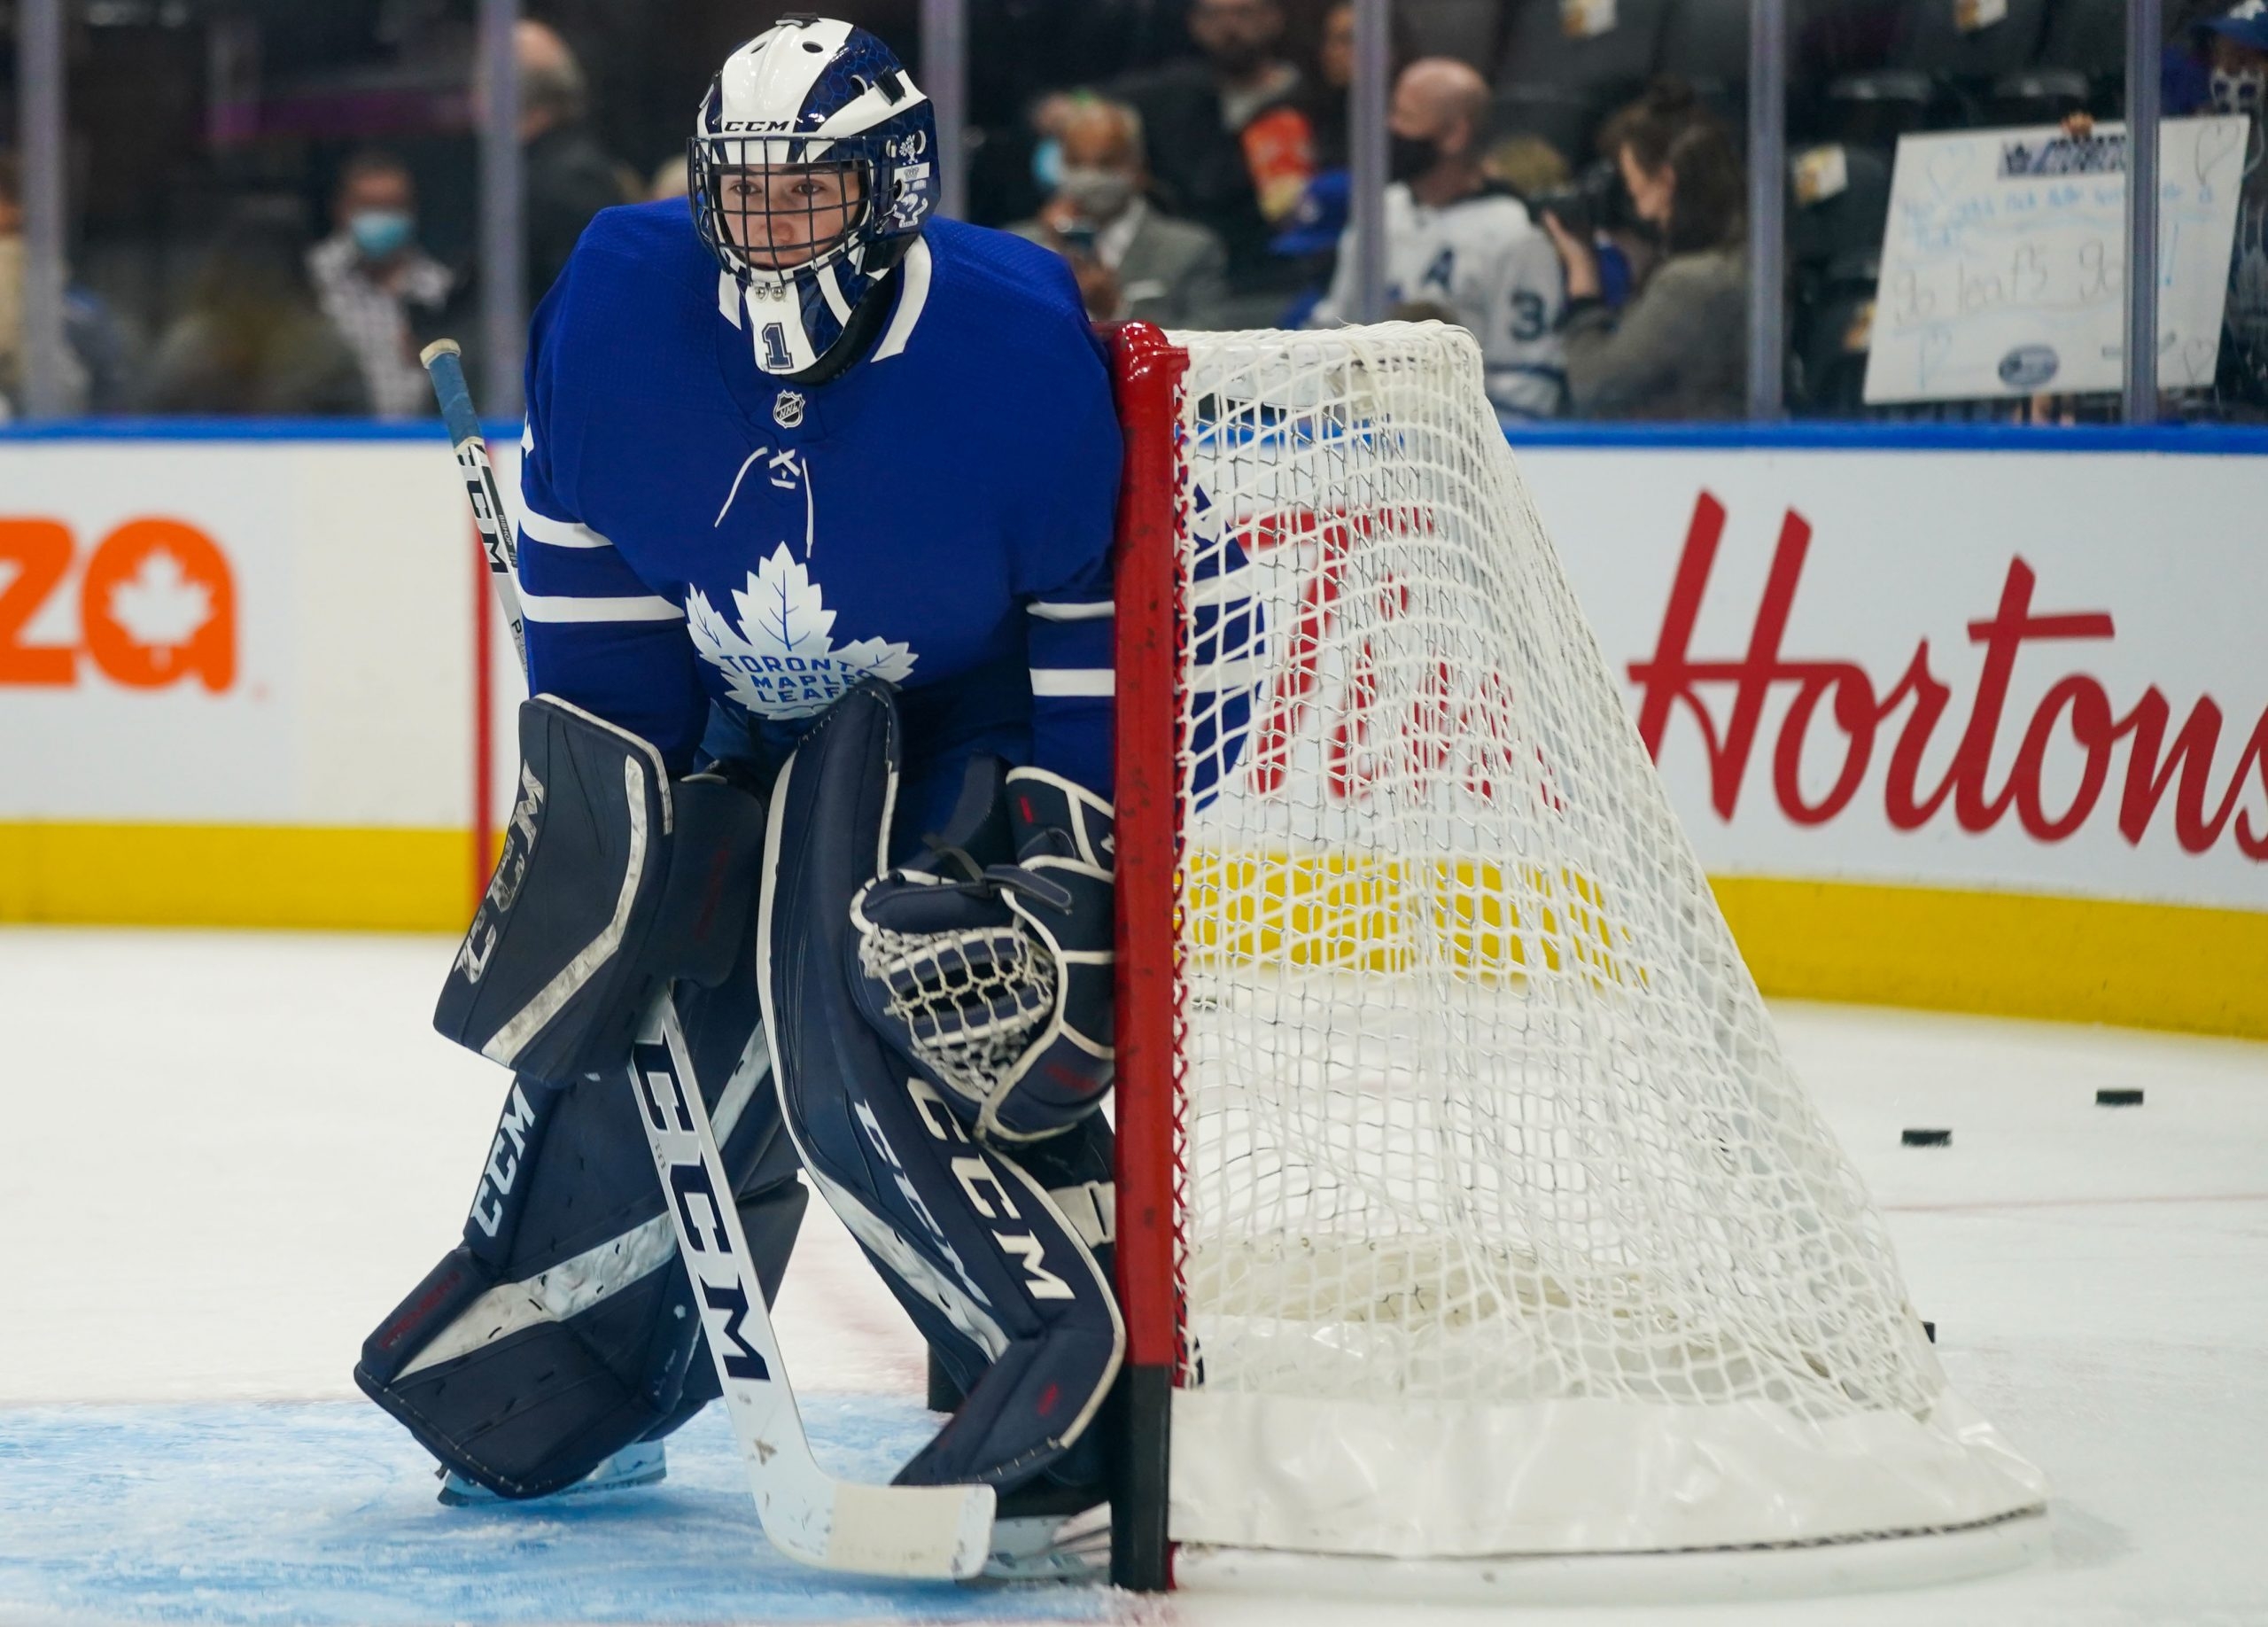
pixel 1474 1237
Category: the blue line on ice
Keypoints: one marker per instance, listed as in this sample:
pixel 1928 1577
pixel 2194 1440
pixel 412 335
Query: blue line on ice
pixel 321 1514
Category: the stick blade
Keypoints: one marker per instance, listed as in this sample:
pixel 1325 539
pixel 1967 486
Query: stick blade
pixel 931 1533
pixel 937 1532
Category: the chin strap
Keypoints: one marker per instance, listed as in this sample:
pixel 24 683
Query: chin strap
pixel 868 317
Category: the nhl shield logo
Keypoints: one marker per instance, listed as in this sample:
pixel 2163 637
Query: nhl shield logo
pixel 788 408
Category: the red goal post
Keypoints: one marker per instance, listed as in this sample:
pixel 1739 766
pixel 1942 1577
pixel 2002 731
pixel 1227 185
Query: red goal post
pixel 1147 374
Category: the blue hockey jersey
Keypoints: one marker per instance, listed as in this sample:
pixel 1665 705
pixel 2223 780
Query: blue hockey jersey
pixel 710 554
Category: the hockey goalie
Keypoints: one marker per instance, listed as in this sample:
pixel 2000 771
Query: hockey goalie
pixel 818 497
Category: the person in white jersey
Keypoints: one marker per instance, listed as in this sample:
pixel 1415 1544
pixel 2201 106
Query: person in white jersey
pixel 1456 238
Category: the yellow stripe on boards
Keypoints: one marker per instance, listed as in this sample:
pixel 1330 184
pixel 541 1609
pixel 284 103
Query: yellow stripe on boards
pixel 243 876
pixel 2009 953
pixel 1348 912
pixel 2006 953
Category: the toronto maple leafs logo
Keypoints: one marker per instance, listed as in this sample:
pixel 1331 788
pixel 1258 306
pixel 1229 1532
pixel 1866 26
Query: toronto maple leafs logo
pixel 781 661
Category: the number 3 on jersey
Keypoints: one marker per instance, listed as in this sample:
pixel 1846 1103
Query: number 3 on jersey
pixel 1528 318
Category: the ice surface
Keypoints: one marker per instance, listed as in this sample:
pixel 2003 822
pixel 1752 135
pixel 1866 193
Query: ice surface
pixel 321 1514
pixel 222 1156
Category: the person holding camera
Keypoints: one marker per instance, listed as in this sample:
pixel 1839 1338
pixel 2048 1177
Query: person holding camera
pixel 1457 239
pixel 1678 347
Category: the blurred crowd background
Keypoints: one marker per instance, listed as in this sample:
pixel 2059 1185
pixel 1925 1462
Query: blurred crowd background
pixel 271 205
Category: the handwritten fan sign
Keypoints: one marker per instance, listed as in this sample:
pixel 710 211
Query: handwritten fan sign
pixel 2004 265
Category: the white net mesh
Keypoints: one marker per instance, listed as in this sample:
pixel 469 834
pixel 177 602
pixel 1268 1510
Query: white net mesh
pixel 1481 1108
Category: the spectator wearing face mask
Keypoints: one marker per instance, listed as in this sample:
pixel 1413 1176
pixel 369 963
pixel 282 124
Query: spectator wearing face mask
pixel 1225 136
pixel 1131 260
pixel 1455 239
pixel 379 289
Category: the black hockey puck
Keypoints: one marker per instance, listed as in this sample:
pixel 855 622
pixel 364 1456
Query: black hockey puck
pixel 1929 1332
pixel 1927 1137
pixel 2118 1098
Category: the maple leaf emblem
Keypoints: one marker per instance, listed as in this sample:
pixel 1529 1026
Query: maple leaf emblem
pixel 160 605
pixel 781 661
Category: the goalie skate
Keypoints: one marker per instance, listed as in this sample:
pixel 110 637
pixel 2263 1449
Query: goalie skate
pixel 1033 1542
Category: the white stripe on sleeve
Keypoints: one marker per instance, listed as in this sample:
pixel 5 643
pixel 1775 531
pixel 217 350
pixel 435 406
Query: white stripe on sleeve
pixel 557 533
pixel 542 607
pixel 1073 680
pixel 1043 611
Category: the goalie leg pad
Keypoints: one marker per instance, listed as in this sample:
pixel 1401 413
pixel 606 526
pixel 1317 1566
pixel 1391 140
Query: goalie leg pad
pixel 1004 1287
pixel 562 1329
pixel 614 881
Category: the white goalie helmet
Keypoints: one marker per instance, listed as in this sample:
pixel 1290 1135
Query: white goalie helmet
pixel 812 165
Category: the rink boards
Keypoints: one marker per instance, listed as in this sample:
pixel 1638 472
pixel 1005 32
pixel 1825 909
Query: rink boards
pixel 1951 721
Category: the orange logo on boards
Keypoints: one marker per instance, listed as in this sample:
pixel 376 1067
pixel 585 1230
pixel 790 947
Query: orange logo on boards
pixel 157 603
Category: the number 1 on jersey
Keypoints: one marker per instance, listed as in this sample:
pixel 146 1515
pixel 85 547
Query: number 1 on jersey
pixel 775 348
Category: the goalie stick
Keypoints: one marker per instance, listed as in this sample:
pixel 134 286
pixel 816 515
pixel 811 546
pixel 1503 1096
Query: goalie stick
pixel 920 1531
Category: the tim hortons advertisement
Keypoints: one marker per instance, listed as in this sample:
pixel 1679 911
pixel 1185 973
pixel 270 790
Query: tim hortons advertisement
pixel 2041 672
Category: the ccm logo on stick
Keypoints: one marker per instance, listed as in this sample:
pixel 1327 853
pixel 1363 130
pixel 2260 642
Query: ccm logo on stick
pixel 716 1269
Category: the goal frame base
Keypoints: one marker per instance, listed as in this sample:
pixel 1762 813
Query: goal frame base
pixel 1739 1576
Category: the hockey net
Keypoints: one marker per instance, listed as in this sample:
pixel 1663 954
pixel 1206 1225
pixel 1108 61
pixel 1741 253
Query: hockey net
pixel 1466 1198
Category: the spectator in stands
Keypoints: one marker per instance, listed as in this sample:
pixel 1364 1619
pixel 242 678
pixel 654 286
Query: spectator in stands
pixel 1131 260
pixel 1679 349
pixel 2232 52
pixel 94 365
pixel 568 176
pixel 2238 64
pixel 1528 165
pixel 382 292
pixel 1225 140
pixel 1325 82
pixel 1457 238
pixel 1323 100
pixel 1022 51
pixel 252 339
